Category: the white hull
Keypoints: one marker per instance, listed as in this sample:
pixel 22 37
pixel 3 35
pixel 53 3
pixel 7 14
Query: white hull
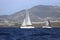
pixel 46 27
pixel 27 27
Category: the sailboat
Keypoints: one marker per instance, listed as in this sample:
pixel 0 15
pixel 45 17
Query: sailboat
pixel 27 22
pixel 47 24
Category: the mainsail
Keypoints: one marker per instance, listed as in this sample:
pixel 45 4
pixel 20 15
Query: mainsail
pixel 27 20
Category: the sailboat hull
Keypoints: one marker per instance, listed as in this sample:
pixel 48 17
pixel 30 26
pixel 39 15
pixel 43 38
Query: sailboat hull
pixel 46 27
pixel 27 27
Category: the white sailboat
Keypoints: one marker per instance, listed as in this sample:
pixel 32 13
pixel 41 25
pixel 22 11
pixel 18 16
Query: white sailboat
pixel 47 25
pixel 27 22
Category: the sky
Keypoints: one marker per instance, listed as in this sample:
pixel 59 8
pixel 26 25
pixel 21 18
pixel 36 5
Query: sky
pixel 8 7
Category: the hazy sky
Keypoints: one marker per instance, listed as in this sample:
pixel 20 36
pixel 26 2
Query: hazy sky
pixel 11 6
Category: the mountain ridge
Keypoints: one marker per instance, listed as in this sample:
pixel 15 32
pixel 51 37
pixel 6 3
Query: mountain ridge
pixel 36 13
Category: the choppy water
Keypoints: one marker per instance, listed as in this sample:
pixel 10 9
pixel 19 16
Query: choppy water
pixel 29 34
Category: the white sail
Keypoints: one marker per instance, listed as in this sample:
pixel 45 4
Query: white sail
pixel 28 21
pixel 46 23
pixel 24 22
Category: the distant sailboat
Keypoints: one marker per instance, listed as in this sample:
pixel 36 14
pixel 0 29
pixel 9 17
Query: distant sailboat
pixel 27 22
pixel 47 24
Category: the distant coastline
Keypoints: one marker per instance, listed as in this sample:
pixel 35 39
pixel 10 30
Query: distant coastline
pixel 35 24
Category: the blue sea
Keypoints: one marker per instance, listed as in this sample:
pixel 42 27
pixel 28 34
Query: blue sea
pixel 30 34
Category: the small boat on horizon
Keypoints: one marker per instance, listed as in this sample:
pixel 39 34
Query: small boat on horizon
pixel 47 24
